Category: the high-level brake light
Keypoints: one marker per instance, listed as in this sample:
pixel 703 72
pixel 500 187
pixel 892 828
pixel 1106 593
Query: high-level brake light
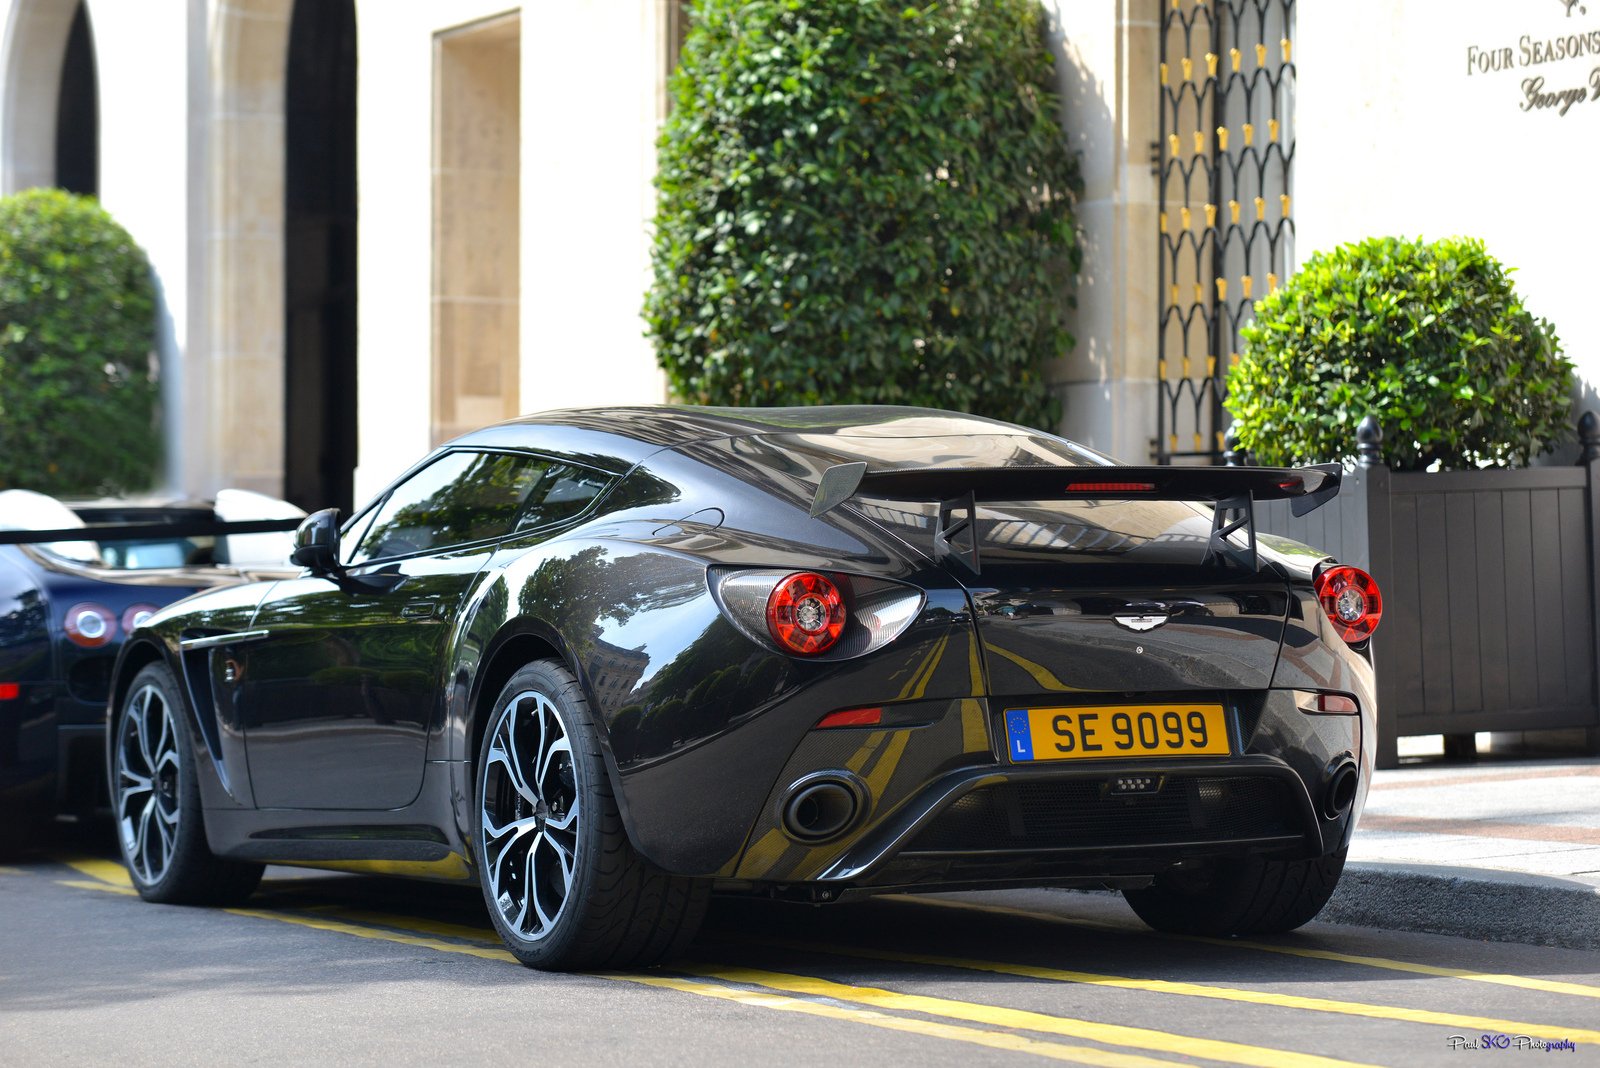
pixel 1110 487
pixel 1351 600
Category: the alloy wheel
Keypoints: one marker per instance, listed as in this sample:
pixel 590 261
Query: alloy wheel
pixel 530 813
pixel 148 770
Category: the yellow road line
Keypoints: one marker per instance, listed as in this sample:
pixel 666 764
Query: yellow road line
pixel 1041 674
pixel 339 927
pixel 974 729
pixel 1221 993
pixel 1023 1019
pixel 106 871
pixel 930 1028
pixel 114 873
pixel 927 1028
pixel 113 878
pixel 919 682
pixel 1548 986
pixel 1076 1055
pixel 414 924
pixel 887 764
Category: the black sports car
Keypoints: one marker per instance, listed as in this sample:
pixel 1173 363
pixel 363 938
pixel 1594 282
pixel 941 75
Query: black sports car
pixel 75 579
pixel 605 662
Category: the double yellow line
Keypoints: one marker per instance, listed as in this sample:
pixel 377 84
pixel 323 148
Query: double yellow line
pixel 1459 1022
pixel 990 1026
pixel 803 994
pixel 1546 986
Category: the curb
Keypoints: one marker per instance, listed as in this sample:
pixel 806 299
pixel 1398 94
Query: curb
pixel 1494 906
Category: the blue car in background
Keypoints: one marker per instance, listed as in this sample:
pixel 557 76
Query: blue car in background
pixel 75 579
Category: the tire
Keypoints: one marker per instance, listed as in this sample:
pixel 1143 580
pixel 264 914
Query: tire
pixel 156 803
pixel 547 822
pixel 1251 896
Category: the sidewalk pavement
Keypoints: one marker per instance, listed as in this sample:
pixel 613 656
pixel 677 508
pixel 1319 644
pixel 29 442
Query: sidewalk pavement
pixel 1503 850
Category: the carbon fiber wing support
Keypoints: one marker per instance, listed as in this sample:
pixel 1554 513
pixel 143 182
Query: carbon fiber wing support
pixel 1229 517
pixel 949 527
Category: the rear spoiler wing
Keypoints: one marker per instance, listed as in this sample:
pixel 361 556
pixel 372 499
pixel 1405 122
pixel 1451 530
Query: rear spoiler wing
pixel 182 528
pixel 1232 490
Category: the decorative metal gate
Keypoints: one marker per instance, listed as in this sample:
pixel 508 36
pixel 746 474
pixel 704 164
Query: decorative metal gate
pixel 1224 165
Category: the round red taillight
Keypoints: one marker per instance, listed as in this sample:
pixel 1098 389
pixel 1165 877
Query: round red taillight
pixel 805 613
pixel 134 616
pixel 1352 601
pixel 90 625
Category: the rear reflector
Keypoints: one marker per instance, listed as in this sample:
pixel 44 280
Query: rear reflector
pixel 1110 487
pixel 10 691
pixel 852 717
pixel 1335 704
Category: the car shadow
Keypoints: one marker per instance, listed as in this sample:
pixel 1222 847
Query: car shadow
pixel 999 935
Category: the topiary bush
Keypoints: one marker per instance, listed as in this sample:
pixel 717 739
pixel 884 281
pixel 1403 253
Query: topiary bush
pixel 77 335
pixel 863 202
pixel 1428 336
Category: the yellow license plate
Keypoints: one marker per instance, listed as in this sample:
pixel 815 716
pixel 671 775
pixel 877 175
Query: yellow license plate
pixel 1102 732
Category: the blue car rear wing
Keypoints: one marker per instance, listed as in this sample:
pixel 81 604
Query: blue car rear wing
pixel 1232 491
pixel 178 528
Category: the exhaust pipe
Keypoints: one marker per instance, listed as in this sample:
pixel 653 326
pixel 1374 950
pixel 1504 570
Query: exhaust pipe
pixel 1340 792
pixel 823 806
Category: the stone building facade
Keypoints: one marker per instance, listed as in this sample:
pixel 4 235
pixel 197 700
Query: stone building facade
pixel 377 222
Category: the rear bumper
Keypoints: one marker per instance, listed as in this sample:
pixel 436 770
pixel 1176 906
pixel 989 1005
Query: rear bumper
pixel 1029 824
pixel 1061 822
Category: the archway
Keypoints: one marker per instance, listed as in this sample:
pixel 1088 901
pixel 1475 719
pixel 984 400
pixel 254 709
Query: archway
pixel 51 137
pixel 78 111
pixel 319 255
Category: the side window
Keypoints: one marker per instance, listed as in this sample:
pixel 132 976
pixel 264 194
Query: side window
pixel 563 491
pixel 461 497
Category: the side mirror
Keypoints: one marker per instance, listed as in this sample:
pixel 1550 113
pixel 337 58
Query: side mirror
pixel 316 543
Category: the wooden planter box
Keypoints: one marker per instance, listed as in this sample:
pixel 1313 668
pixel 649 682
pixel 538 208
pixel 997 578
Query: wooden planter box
pixel 1489 582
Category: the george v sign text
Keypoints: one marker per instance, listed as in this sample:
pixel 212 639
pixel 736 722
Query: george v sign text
pixel 1554 74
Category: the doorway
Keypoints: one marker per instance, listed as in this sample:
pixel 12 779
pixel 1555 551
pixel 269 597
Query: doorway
pixel 320 256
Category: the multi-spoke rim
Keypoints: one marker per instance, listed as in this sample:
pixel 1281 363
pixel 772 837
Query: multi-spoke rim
pixel 530 815
pixel 148 780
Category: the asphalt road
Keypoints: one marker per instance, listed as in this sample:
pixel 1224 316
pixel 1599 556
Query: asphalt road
pixel 355 970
